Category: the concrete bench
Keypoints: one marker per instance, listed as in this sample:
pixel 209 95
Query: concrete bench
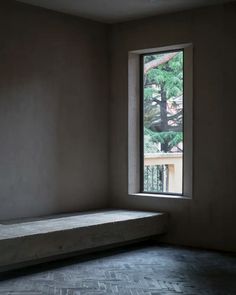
pixel 29 242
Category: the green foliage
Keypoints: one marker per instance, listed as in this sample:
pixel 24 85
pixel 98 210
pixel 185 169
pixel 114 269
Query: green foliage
pixel 152 139
pixel 149 92
pixel 149 145
pixel 163 85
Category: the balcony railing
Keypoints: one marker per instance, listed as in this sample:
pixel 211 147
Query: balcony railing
pixel 156 178
pixel 163 172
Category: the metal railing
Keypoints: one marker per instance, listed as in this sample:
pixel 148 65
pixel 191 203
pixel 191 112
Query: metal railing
pixel 156 178
pixel 163 173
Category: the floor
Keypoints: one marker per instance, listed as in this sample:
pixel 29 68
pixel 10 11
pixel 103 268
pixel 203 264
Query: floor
pixel 143 269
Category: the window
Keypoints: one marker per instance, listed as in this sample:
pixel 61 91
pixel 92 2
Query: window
pixel 162 108
pixel 160 122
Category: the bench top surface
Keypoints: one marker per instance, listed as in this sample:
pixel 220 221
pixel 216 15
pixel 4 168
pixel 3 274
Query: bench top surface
pixel 72 221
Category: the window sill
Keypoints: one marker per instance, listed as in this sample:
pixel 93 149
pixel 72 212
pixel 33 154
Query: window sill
pixel 163 196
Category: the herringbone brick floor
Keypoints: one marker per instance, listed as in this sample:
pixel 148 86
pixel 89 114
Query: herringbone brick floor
pixel 146 269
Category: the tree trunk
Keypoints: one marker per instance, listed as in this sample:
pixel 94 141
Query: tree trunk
pixel 164 119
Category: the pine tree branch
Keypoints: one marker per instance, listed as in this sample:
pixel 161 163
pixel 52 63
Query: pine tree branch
pixel 175 116
pixel 157 62
pixel 156 127
pixel 175 128
pixel 154 99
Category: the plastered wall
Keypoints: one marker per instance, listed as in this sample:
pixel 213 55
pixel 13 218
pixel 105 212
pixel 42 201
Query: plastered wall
pixel 53 112
pixel 64 117
pixel 208 220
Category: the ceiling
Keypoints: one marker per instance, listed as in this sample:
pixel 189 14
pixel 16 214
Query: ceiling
pixel 112 11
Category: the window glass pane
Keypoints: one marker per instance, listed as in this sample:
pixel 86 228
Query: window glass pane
pixel 163 122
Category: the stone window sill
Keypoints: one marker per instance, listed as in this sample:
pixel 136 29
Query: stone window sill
pixel 165 196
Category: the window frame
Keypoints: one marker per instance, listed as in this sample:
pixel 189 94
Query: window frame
pixel 135 124
pixel 141 113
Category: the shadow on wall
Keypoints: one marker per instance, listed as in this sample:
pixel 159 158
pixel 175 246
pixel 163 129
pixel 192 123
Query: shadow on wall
pixel 53 132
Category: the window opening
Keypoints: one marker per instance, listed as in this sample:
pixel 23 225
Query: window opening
pixel 162 112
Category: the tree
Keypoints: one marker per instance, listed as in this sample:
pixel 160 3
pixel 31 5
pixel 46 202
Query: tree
pixel 163 91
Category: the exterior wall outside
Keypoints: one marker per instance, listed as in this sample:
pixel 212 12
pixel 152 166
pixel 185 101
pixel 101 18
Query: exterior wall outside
pixel 53 132
pixel 207 219
pixel 175 168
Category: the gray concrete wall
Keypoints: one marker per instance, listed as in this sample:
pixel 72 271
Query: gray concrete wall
pixel 208 220
pixel 54 123
pixel 53 112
